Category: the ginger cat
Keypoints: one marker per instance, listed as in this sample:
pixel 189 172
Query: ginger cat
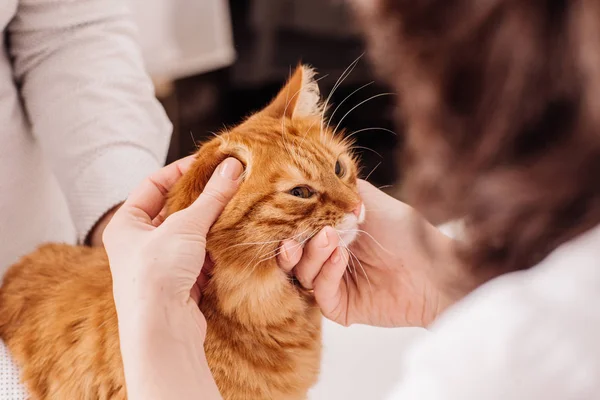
pixel 57 313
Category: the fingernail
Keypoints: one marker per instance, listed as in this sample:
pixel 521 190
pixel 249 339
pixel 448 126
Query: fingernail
pixel 336 256
pixel 231 169
pixel 323 240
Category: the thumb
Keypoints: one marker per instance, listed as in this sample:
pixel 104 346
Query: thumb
pixel 219 190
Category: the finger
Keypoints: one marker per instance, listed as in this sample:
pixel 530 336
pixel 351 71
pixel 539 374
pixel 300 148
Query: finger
pixel 161 217
pixel 329 287
pixel 207 269
pixel 196 293
pixel 316 252
pixel 216 194
pixel 290 255
pixel 202 280
pixel 150 196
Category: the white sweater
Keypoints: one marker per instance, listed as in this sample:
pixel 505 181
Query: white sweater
pixel 79 124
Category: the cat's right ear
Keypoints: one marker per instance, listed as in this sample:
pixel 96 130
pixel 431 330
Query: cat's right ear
pixel 299 98
pixel 208 158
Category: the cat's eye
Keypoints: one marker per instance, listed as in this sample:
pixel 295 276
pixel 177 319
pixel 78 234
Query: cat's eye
pixel 339 169
pixel 302 192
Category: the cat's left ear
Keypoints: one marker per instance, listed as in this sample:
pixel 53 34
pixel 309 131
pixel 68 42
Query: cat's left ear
pixel 299 98
pixel 208 158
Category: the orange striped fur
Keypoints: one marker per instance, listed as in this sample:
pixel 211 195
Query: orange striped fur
pixel 57 314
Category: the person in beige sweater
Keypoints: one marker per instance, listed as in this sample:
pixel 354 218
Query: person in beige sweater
pixel 79 123
pixel 79 126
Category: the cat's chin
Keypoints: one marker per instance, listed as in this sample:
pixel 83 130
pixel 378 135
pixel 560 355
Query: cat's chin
pixel 348 227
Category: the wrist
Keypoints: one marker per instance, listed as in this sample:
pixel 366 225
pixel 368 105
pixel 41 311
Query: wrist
pixel 449 277
pixel 168 370
pixel 153 319
pixel 163 342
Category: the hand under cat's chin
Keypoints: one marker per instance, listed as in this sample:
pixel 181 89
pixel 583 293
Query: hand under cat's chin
pixel 330 245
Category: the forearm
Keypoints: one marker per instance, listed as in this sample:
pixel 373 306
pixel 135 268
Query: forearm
pixel 89 101
pixel 160 366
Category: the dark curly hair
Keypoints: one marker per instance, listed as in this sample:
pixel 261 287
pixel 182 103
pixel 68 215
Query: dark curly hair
pixel 501 103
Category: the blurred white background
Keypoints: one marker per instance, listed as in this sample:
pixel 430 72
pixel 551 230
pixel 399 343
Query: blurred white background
pixel 181 38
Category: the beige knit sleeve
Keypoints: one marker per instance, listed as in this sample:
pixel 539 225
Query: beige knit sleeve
pixel 88 99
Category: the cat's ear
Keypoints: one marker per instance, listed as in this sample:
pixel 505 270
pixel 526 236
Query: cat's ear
pixel 299 98
pixel 208 158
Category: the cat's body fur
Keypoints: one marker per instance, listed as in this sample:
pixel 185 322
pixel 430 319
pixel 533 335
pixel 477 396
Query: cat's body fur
pixel 57 313
pixel 86 356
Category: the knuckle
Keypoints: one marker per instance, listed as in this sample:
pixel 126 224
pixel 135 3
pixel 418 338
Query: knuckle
pixel 284 262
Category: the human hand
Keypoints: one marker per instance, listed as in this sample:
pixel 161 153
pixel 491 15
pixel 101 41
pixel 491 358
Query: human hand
pixel 156 268
pixel 394 273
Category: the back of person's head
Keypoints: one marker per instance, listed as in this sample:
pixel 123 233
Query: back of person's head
pixel 501 103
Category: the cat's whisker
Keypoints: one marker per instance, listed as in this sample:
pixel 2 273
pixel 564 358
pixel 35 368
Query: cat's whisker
pixel 342 102
pixel 194 140
pixel 352 258
pixel 267 241
pixel 321 78
pixel 370 236
pixel 358 105
pixel 300 245
pixel 375 210
pixel 362 268
pixel 339 81
pixel 345 246
pixel 279 250
pixel 366 148
pixel 373 170
pixel 351 261
pixel 346 278
pixel 385 187
pixel 265 258
pixel 253 258
pixel 375 128
pixel 272 253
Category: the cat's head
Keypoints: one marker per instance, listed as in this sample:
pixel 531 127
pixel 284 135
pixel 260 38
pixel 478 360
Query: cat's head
pixel 299 177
